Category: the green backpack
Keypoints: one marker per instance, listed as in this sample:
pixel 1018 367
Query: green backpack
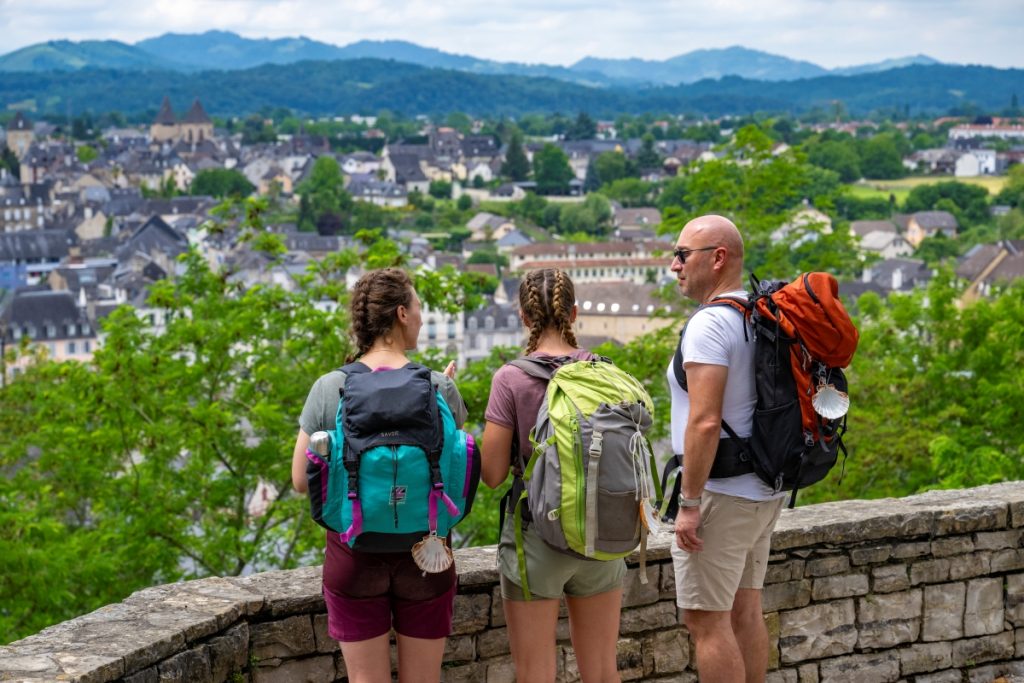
pixel 588 488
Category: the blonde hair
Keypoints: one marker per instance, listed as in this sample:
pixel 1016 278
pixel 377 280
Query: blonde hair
pixel 546 298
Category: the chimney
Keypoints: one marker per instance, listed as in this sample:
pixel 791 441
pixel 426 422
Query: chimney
pixel 897 279
pixel 867 275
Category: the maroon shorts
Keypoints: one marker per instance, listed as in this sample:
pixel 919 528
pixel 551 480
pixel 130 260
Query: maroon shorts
pixel 368 593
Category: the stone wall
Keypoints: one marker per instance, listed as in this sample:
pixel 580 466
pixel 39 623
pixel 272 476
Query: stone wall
pixel 926 589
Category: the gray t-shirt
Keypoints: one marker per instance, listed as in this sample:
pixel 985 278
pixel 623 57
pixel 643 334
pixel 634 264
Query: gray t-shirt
pixel 322 403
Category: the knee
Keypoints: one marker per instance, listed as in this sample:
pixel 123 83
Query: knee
pixel 702 625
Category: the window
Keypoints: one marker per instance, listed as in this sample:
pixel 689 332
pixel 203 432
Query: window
pixel 489 322
pixel 472 324
pixel 451 328
pixel 51 330
pixel 432 330
pixel 70 347
pixel 86 347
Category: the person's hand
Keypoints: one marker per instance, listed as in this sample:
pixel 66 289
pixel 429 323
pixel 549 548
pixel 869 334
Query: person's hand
pixel 686 528
pixel 449 371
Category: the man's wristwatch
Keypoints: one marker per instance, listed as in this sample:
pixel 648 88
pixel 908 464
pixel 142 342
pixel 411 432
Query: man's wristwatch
pixel 689 502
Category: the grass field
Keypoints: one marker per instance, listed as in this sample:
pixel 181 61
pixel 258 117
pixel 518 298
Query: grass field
pixel 902 187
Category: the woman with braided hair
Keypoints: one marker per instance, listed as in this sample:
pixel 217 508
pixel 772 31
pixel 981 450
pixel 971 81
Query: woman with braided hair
pixel 369 593
pixel 592 589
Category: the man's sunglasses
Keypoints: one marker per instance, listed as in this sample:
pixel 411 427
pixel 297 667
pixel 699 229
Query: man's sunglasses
pixel 682 254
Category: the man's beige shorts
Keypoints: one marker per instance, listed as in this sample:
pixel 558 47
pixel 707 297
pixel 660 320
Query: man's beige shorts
pixel 737 537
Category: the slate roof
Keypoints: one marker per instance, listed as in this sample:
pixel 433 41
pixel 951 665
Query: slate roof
pixel 35 246
pixel 19 122
pixel 862 228
pixel 936 220
pixel 196 114
pixel 33 310
pixel 165 116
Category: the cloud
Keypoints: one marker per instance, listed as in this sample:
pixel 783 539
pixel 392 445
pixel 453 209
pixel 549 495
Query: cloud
pixel 827 32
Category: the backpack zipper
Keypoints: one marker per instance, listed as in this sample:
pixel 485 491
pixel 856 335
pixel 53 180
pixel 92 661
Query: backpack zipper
pixel 394 483
pixel 577 447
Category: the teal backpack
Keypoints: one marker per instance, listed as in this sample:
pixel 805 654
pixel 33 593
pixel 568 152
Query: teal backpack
pixel 589 488
pixel 398 468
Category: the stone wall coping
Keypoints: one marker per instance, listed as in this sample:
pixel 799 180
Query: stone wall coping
pixel 155 623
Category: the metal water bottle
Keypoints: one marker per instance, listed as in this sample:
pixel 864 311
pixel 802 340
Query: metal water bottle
pixel 320 443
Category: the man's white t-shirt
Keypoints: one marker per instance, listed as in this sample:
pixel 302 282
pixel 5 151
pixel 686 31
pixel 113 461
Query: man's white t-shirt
pixel 715 336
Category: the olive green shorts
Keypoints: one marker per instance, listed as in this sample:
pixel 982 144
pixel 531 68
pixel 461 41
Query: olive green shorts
pixel 549 573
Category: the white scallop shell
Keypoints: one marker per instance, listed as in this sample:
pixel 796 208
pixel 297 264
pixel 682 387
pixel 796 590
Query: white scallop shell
pixel 432 554
pixel 829 402
pixel 649 516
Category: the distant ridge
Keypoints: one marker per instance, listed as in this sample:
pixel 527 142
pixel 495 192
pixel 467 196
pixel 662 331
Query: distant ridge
pixel 224 50
pixel 366 86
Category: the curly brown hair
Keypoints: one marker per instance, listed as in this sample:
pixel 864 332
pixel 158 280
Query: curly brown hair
pixel 374 304
pixel 546 297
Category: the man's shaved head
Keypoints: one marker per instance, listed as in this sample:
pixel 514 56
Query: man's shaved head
pixel 713 252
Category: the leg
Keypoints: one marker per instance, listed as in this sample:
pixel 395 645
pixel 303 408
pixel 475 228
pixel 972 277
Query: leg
pixel 368 661
pixel 751 634
pixel 718 654
pixel 531 635
pixel 594 626
pixel 419 659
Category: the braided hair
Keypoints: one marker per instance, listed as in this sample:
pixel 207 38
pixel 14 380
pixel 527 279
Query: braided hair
pixel 373 307
pixel 546 297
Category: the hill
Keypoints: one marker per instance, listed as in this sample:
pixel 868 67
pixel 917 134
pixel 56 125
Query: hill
pixel 371 85
pixel 65 55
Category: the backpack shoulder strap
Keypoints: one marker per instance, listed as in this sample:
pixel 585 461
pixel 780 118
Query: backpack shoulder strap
pixel 742 306
pixel 541 368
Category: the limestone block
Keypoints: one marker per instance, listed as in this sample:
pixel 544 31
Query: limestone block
pixel 497 608
pixel 943 612
pixel 190 666
pixel 996 672
pixel 287 591
pixel 629 659
pixel 842 586
pixel 948 676
pixel 826 566
pixel 889 578
pixel 788 595
pixel 784 571
pixel 817 631
pixel 925 657
pixel 1019 635
pixel 472 613
pixel 965 516
pixel 150 675
pixel 783 676
pixel 308 670
pixel 773 626
pixel 983 609
pixel 997 540
pixel 635 593
pixel 870 554
pixel 459 649
pixel 500 670
pixel 324 642
pixel 464 673
pixel 969 566
pixel 667 582
pixel 954 545
pixel 492 642
pixel 985 649
pixel 291 637
pixel 229 653
pixel 878 667
pixel 929 571
pixel 808 673
pixel 1015 599
pixel 648 618
pixel 906 551
pixel 1007 560
pixel 889 619
pixel 666 652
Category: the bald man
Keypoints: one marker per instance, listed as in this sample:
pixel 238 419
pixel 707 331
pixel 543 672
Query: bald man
pixel 726 513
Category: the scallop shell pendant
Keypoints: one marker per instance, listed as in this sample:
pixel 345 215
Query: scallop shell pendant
pixel 649 516
pixel 432 554
pixel 829 402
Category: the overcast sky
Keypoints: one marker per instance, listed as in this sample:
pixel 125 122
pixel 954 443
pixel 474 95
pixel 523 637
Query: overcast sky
pixel 827 32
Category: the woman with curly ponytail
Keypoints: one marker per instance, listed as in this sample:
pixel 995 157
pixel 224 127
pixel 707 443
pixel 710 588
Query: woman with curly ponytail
pixel 592 589
pixel 370 593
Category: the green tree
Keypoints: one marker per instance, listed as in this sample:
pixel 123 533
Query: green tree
pixel 10 162
pixel 516 166
pixel 880 158
pixel 329 205
pixel 464 202
pixel 629 192
pixel 440 189
pixel 648 157
pixel 221 183
pixel 583 128
pixel 837 155
pixel 612 166
pixel 592 216
pixel 551 170
pixel 86 153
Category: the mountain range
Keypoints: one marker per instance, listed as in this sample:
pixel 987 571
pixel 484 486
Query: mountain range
pixel 223 50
